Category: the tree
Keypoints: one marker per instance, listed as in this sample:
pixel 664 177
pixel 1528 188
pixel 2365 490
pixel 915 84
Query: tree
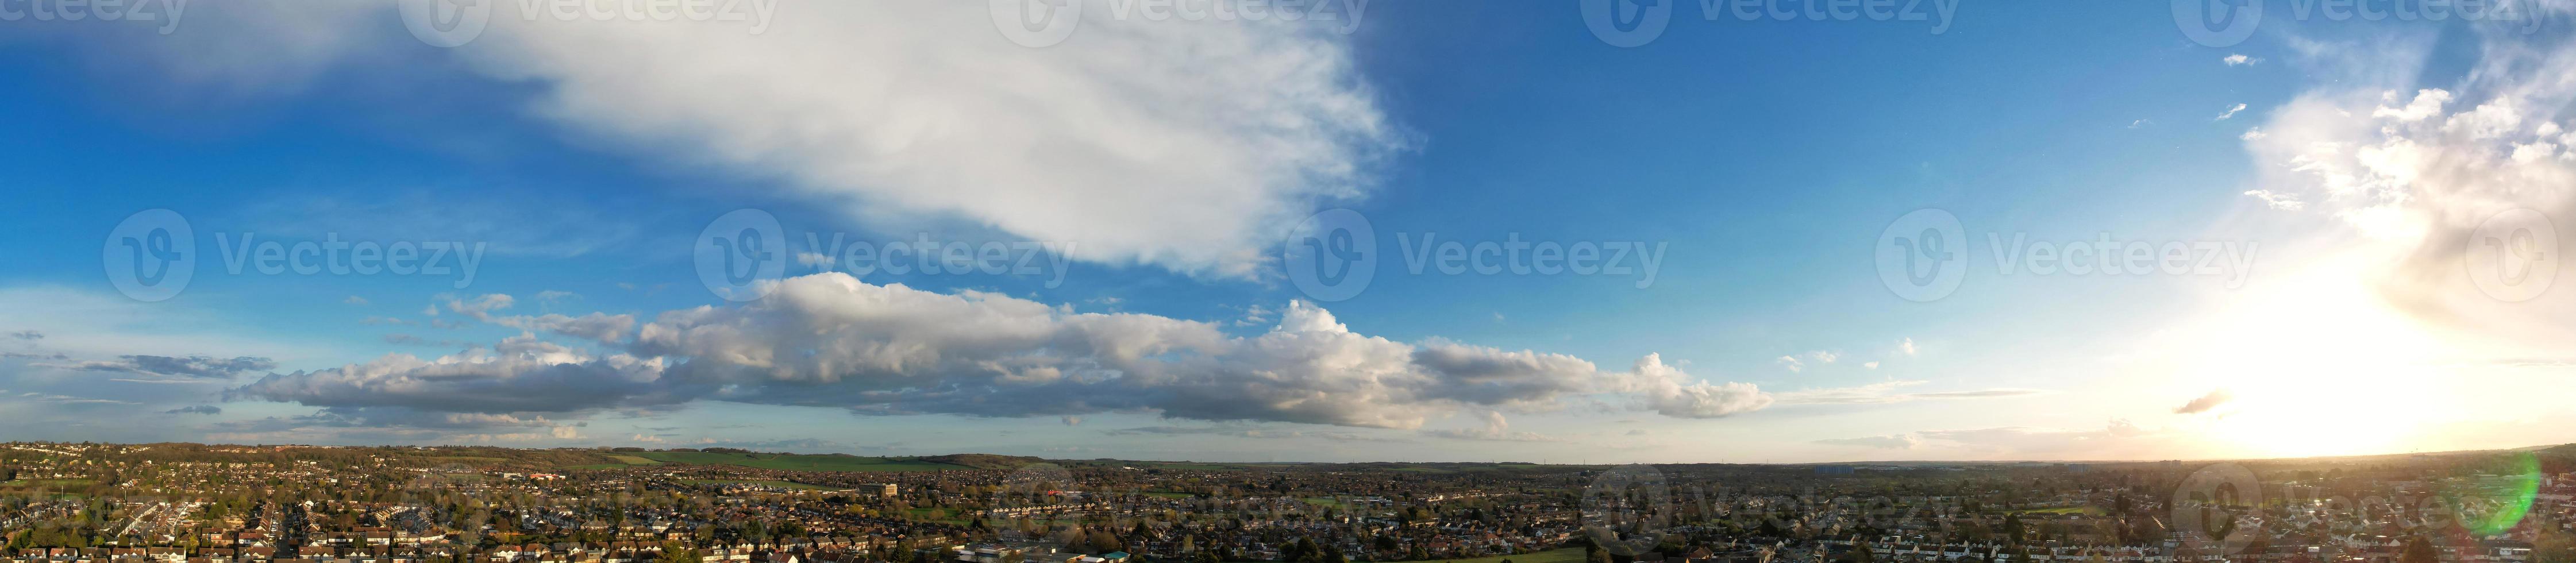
pixel 2418 551
pixel 675 552
pixel 1859 554
pixel 2554 547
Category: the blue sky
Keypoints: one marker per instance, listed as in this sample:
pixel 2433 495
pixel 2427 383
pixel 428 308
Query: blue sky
pixel 587 158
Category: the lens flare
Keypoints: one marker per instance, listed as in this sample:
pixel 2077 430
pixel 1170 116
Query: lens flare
pixel 2497 496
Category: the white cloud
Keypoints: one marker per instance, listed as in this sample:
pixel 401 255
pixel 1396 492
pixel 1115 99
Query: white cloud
pixel 2409 173
pixel 1886 392
pixel 594 326
pixel 2205 402
pixel 1182 145
pixel 831 340
pixel 2277 200
pixel 2119 437
pixel 1895 442
pixel 2231 112
pixel 1496 429
pixel 2239 59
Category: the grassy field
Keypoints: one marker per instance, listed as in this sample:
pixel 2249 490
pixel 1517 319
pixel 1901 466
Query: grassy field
pixel 50 484
pixel 789 485
pixel 55 488
pixel 794 462
pixel 1559 555
pixel 1330 502
pixel 2066 510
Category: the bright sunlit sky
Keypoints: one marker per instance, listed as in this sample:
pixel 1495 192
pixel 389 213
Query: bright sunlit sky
pixel 2363 217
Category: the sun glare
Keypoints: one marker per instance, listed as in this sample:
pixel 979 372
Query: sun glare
pixel 2316 364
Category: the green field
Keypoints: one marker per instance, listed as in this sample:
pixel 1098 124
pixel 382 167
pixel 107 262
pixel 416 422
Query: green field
pixel 1330 502
pixel 1559 555
pixel 49 484
pixel 789 485
pixel 56 488
pixel 795 462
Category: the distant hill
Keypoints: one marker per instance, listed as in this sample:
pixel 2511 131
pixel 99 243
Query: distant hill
pixel 804 462
pixel 2561 452
pixel 982 461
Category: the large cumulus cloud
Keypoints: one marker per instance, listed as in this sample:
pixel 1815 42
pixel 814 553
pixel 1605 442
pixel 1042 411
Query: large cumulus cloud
pixel 2409 164
pixel 1178 144
pixel 831 340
